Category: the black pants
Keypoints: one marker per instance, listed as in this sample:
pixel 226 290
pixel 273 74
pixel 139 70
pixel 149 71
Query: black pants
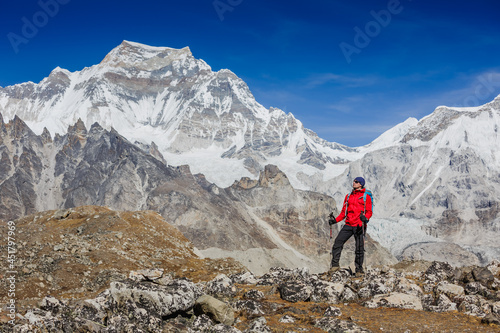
pixel 345 233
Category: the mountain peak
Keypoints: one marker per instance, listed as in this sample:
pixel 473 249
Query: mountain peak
pixel 132 54
pixel 150 48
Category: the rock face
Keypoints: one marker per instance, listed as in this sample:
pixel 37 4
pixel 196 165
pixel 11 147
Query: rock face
pixel 179 305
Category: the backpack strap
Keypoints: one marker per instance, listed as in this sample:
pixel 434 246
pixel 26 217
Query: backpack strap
pixel 347 203
pixel 364 201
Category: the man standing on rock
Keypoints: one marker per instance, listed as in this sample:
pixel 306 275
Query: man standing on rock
pixel 357 210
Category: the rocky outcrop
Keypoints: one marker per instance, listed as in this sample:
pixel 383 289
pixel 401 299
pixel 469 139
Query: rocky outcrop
pixel 179 305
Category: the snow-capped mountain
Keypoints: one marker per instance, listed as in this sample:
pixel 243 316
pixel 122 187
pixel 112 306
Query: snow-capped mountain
pixel 437 183
pixel 434 179
pixel 209 120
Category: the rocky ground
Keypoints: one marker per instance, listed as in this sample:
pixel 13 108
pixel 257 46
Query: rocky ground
pixel 91 269
pixel 397 299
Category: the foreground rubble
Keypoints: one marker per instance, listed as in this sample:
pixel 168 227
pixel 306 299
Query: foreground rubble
pixel 283 300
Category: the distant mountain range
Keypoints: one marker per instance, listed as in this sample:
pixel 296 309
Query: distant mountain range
pixel 434 180
pixel 261 222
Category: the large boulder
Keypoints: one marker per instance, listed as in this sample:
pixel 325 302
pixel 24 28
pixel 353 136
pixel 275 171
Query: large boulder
pixel 395 300
pixel 132 297
pixel 215 309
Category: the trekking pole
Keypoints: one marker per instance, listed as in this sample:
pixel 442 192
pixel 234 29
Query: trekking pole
pixel 364 248
pixel 331 236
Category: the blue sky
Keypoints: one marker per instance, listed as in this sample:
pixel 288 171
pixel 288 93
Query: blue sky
pixel 349 70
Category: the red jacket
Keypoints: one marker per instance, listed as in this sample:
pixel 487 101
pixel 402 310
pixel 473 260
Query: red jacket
pixel 355 207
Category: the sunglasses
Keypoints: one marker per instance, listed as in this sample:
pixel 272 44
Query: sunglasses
pixel 355 181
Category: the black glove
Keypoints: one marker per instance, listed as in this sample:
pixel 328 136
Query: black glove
pixel 331 219
pixel 363 218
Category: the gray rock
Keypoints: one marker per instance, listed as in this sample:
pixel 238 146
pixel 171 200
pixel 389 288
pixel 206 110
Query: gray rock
pixel 295 291
pixel 495 308
pixel 221 286
pixel 449 289
pixel 443 304
pixel 146 275
pixel 258 325
pixel 202 323
pixel 491 319
pixel 474 305
pixel 484 276
pixel 244 278
pixel 254 294
pixel 287 319
pixel 471 309
pixel 439 271
pixel 148 303
pixel 403 285
pixel 476 288
pixel 217 310
pixel 325 291
pixel 334 325
pixel 451 253
pixel 250 307
pixel 395 300
pixel 53 305
pixel 348 295
pixel 222 328
pixel 276 275
pixel 332 311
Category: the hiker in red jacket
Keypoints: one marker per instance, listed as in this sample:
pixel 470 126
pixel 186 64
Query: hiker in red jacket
pixel 357 210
